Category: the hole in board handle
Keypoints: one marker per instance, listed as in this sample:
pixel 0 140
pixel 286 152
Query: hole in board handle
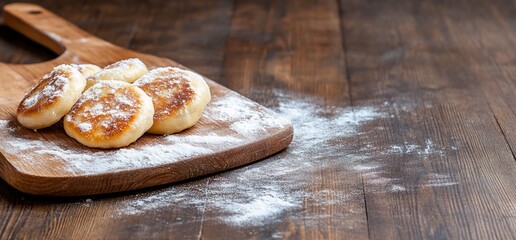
pixel 34 11
pixel 16 48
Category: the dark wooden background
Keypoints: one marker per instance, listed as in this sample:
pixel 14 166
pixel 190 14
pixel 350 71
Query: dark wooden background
pixel 444 72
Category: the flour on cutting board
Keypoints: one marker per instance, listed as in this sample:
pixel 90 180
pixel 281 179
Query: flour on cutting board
pixel 242 116
pixel 261 193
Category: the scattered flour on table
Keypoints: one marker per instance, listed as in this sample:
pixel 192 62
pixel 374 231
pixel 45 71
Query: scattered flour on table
pixel 263 192
pixel 170 197
pixel 260 194
pixel 439 180
pixel 259 209
pixel 397 188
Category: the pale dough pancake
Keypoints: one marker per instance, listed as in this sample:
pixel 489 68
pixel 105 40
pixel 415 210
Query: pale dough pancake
pixel 86 69
pixel 179 97
pixel 110 114
pixel 51 98
pixel 127 70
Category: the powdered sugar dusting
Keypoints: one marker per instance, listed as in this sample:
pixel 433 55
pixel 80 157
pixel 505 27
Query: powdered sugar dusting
pixel 32 99
pixel 125 64
pixel 125 70
pixel 86 69
pixel 168 72
pixel 54 83
pixel 263 192
pixel 204 139
pixel 439 180
pixel 107 103
pixel 243 119
pixel 243 126
pixel 258 209
pixel 84 127
pixel 91 161
pixel 172 91
pixel 168 198
pixel 172 148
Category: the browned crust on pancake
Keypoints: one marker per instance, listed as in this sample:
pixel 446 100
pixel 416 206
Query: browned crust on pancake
pixel 168 105
pixel 106 125
pixel 45 101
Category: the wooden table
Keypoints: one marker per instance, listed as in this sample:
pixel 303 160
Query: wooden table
pixel 404 115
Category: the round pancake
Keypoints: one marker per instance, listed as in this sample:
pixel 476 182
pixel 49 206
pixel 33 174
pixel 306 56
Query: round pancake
pixel 51 98
pixel 110 114
pixel 127 70
pixel 179 97
pixel 86 69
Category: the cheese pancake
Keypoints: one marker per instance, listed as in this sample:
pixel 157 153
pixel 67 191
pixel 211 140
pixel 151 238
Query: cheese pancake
pixel 110 114
pixel 51 98
pixel 179 97
pixel 127 70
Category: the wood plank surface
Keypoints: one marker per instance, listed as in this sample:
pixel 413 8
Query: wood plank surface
pixel 403 112
pixel 422 61
pixel 282 46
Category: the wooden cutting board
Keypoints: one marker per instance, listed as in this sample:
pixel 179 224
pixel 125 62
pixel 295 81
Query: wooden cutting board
pixel 233 131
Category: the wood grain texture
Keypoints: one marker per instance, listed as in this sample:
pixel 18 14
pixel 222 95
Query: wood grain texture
pixel 266 46
pixel 424 60
pixel 39 173
pixel 434 161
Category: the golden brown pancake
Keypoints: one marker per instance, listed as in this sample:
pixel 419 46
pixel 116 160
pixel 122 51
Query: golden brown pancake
pixel 179 97
pixel 110 114
pixel 127 70
pixel 86 69
pixel 51 98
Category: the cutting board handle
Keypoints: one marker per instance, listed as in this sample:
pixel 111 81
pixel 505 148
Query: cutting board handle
pixel 43 26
